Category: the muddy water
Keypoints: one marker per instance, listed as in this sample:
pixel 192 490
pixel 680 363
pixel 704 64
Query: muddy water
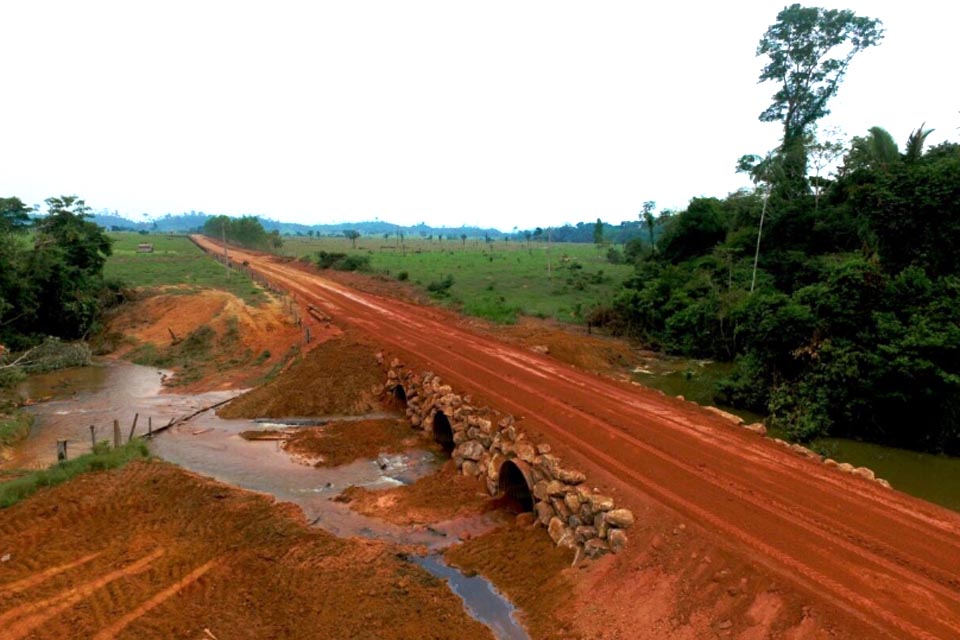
pixel 75 399
pixel 213 447
pixel 932 477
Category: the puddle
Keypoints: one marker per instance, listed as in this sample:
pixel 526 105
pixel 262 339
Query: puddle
pixel 213 447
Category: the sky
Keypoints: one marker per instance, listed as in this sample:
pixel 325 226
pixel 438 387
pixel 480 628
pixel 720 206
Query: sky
pixel 496 113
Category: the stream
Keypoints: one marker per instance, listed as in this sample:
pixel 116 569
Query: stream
pixel 74 399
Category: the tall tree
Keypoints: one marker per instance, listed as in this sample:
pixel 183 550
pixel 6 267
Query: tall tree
pixel 598 233
pixel 352 235
pixel 809 51
pixel 14 215
pixel 649 221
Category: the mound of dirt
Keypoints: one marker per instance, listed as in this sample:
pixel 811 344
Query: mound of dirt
pixel 337 377
pixel 443 495
pixel 150 551
pixel 212 339
pixel 571 345
pixel 343 442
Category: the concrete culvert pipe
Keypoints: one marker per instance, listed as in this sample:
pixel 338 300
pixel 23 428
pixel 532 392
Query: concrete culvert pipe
pixel 515 485
pixel 400 395
pixel 443 432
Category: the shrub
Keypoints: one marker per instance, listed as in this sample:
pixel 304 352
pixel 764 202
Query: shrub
pixel 441 288
pixel 342 262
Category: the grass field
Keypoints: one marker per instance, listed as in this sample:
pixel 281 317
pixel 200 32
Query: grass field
pixel 175 261
pixel 496 280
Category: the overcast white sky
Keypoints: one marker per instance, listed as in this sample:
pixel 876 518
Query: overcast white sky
pixel 496 113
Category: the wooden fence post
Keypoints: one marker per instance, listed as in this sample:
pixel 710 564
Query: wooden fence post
pixel 150 426
pixel 93 436
pixel 116 434
pixel 61 450
pixel 133 427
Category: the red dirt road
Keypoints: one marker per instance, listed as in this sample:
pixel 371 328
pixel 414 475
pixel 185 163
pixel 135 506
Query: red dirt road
pixel 885 562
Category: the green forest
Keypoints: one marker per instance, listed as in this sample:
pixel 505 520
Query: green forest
pixel 837 298
pixel 51 272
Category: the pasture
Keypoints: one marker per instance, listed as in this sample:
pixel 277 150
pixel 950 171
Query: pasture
pixel 175 261
pixel 495 280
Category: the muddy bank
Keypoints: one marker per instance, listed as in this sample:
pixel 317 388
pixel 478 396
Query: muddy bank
pixel 533 572
pixel 340 376
pixel 443 495
pixel 170 554
pixel 343 442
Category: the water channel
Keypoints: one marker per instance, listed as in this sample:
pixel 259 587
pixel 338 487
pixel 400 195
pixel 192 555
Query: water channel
pixel 932 477
pixel 74 399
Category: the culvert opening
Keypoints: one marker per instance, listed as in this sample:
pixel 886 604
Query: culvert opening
pixel 443 432
pixel 514 487
pixel 400 396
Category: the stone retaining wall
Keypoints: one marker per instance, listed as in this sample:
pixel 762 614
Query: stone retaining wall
pixel 484 440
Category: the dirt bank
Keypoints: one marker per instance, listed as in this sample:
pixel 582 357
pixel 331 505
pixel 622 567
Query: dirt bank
pixel 212 339
pixel 151 551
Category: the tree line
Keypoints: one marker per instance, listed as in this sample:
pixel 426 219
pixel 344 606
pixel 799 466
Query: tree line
pixel 246 231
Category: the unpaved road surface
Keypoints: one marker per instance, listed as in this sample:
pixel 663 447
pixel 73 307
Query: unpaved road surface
pixel 884 562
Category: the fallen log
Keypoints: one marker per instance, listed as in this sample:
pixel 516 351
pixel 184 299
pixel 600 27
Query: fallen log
pixel 178 421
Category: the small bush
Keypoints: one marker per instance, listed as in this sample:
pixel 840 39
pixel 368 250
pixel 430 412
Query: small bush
pixel 353 263
pixel 342 262
pixel 326 260
pixel 441 288
pixel 11 376
pixel 403 276
pixel 14 427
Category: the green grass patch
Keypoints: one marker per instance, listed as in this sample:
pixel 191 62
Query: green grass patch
pixel 14 427
pixel 498 281
pixel 175 261
pixel 190 357
pixel 102 458
pixel 292 354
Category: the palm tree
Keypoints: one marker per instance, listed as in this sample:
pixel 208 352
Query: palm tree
pixel 915 142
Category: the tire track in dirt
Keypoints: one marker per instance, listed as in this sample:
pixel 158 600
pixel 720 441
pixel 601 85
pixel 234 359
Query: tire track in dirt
pixel 108 633
pixel 20 621
pixel 38 578
pixel 744 487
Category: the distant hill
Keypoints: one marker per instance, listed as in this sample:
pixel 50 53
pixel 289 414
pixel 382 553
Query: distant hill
pixel 188 222
pixel 194 221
